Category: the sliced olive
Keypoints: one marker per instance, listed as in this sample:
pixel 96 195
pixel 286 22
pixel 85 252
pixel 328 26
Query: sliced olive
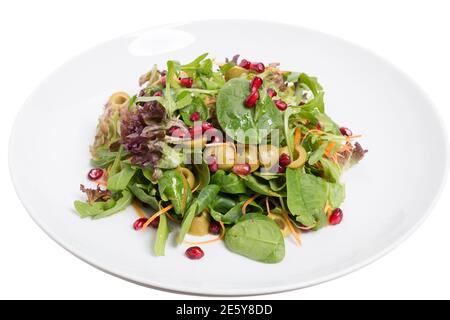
pixel 268 155
pixel 189 176
pixel 223 153
pixel 200 224
pixel 247 154
pixel 119 99
pixel 278 219
pixel 299 157
pixel 234 72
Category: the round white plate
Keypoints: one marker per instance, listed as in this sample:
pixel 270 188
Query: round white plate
pixel 388 194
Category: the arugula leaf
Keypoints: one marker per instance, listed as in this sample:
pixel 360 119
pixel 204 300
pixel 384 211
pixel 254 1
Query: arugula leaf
pixel 306 196
pixel 336 194
pixel 143 196
pixel 317 154
pixel 120 180
pixel 331 170
pixel 258 238
pixel 316 89
pixel 161 236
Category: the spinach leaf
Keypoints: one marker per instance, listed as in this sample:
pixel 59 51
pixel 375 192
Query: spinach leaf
pixel 187 221
pixel 196 105
pixel 259 186
pixel 278 184
pixel 216 215
pixel 206 197
pixel 336 194
pixel 258 238
pixel 306 196
pixel 120 180
pixel 161 236
pixel 240 122
pixel 143 196
pixel 184 98
pixel 326 123
pixel 203 175
pixel 228 182
pixel 222 203
pixel 99 210
pixel 171 187
pixel 235 213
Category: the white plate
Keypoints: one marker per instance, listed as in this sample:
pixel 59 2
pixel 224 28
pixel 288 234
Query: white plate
pixel 388 194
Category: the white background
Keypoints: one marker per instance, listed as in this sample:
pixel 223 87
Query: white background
pixel 38 36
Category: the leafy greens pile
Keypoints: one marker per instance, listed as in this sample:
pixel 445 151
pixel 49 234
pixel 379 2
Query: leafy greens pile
pixel 243 149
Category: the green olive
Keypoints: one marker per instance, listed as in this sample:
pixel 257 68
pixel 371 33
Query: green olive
pixel 234 72
pixel 299 157
pixel 196 143
pixel 248 154
pixel 268 155
pixel 224 154
pixel 200 224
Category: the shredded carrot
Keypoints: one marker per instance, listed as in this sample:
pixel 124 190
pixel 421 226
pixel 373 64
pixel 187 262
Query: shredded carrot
pixel 312 130
pixel 156 215
pixel 329 147
pixel 246 203
pixel 222 233
pixel 297 136
pixel 138 209
pixel 196 188
pixel 267 205
pixel 297 239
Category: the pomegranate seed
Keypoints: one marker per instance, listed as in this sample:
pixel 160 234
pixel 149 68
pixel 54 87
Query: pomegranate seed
pixel 213 167
pixel 318 126
pixel 177 132
pixel 336 216
pixel 163 80
pixel 271 92
pixel 281 105
pixel 241 169
pixel 194 253
pixel 257 67
pixel 186 82
pixel 195 116
pixel 245 64
pixel 95 174
pixel 281 169
pixel 256 83
pixel 214 227
pixel 206 126
pixel 284 160
pixel 155 223
pixel 250 102
pixel 139 223
pixel 346 131
pixel 158 94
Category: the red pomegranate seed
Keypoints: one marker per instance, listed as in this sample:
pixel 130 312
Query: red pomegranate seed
pixel 256 83
pixel 163 80
pixel 194 253
pixel 257 67
pixel 95 174
pixel 139 223
pixel 195 116
pixel 158 94
pixel 155 223
pixel 346 131
pixel 281 169
pixel 318 126
pixel 245 64
pixel 177 132
pixel 241 169
pixel 271 92
pixel 186 82
pixel 281 105
pixel 336 216
pixel 206 126
pixel 250 102
pixel 214 227
pixel 284 160
pixel 212 164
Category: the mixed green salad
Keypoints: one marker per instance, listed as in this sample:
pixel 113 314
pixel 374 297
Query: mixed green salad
pixel 238 149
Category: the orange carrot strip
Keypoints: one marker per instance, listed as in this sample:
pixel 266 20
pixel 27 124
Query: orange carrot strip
pixel 297 239
pixel 297 136
pixel 246 203
pixel 329 147
pixel 156 215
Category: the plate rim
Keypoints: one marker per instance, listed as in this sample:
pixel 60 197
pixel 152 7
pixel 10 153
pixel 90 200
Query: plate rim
pixel 232 292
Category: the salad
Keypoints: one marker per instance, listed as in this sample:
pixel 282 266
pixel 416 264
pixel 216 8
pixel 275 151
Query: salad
pixel 240 150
